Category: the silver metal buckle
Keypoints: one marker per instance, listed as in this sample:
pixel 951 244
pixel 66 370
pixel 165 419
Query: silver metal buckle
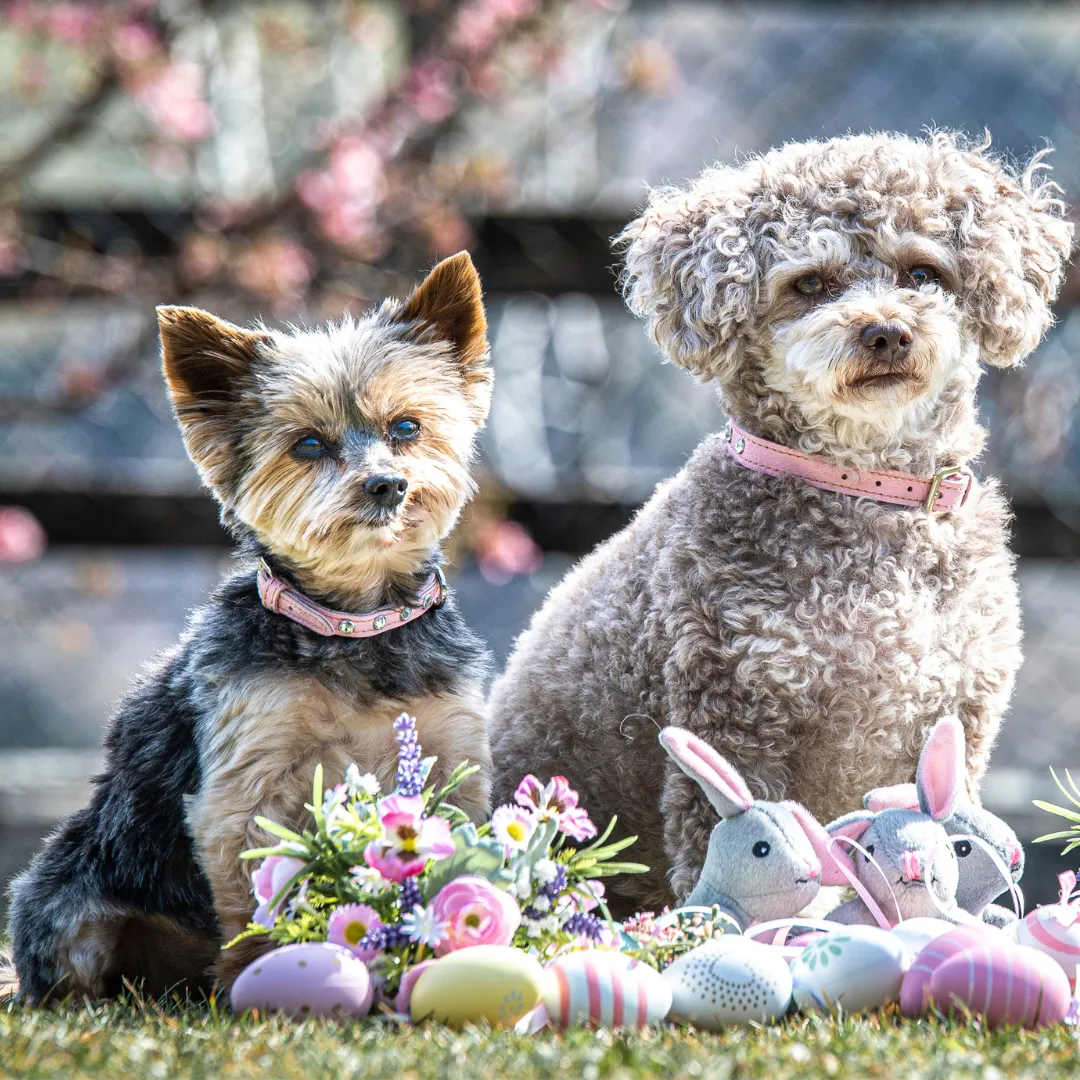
pixel 443 589
pixel 935 485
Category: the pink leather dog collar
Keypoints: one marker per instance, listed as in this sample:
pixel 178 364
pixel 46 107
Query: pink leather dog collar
pixel 947 490
pixel 282 598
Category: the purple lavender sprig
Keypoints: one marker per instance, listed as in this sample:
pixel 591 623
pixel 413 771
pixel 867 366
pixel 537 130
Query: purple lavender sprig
pixel 410 895
pixel 583 923
pixel 410 778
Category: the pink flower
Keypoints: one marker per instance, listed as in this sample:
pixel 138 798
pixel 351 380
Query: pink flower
pixel 172 98
pixel 556 800
pixel 475 913
pixel 411 839
pixel 589 894
pixel 22 539
pixel 349 925
pixel 272 876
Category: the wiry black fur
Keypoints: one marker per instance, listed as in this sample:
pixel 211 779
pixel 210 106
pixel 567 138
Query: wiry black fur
pixel 131 847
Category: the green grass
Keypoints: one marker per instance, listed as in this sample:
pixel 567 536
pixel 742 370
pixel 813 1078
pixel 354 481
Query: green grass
pixel 132 1040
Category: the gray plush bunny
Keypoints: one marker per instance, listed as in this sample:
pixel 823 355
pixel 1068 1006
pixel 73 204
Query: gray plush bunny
pixel 980 879
pixel 765 860
pixel 919 868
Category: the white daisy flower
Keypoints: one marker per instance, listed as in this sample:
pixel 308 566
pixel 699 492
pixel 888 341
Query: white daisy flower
pixel 423 925
pixel 367 879
pixel 362 784
pixel 512 826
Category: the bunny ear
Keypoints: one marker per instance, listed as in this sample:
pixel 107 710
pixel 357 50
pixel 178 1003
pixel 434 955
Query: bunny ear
pixel 940 776
pixel 819 841
pixel 897 797
pixel 852 826
pixel 722 785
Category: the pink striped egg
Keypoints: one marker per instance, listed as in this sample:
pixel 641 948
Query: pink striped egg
pixel 1004 984
pixel 605 988
pixel 1055 930
pixel 915 989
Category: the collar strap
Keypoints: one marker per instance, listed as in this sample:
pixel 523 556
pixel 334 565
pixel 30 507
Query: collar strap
pixel 282 598
pixel 946 491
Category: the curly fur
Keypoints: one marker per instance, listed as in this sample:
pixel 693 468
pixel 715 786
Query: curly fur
pixel 810 637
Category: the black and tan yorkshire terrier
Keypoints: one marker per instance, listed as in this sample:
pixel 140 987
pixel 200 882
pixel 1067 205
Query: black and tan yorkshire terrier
pixel 340 459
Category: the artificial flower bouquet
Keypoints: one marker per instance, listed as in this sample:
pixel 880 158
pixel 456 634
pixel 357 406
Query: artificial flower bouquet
pixel 396 878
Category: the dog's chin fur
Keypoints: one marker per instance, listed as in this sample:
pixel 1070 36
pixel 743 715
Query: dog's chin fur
pixel 866 414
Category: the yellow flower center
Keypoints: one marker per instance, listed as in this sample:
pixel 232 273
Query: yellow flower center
pixel 355 932
pixel 515 830
pixel 407 838
pixel 472 921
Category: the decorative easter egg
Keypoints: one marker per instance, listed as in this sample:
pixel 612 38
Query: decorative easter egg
pixel 404 995
pixel 605 988
pixel 729 981
pixel 1004 984
pixel 482 982
pixel 915 989
pixel 1055 930
pixel 312 979
pixel 917 933
pixel 859 967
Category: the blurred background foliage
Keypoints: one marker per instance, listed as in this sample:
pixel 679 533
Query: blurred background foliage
pixel 295 160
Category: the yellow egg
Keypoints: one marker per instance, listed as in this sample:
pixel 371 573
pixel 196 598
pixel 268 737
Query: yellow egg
pixel 485 982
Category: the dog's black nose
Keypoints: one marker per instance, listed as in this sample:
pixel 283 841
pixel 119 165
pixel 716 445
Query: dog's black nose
pixel 889 340
pixel 386 491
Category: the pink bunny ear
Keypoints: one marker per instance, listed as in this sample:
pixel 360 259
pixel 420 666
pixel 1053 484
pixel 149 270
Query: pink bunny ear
pixel 940 776
pixel 840 853
pixel 897 797
pixel 819 840
pixel 722 785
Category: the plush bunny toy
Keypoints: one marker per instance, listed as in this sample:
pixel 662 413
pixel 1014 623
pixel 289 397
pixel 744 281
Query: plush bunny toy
pixel 765 860
pixel 919 871
pixel 980 879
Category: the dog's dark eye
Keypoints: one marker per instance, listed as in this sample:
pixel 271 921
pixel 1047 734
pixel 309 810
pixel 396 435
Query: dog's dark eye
pixel 404 429
pixel 923 275
pixel 810 285
pixel 761 849
pixel 869 852
pixel 963 848
pixel 310 446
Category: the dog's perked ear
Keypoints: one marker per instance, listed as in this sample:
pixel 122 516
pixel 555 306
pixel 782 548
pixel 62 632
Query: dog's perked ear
pixel 206 362
pixel 448 305
pixel 1014 241
pixel 691 270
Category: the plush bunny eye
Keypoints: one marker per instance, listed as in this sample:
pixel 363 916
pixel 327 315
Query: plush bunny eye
pixel 963 848
pixel 761 849
pixel 869 852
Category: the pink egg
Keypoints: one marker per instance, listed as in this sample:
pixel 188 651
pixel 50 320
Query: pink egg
pixel 408 981
pixel 915 989
pixel 312 979
pixel 1055 930
pixel 1004 984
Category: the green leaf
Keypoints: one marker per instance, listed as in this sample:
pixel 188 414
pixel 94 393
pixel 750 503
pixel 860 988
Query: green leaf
pixel 1058 836
pixel 610 869
pixel 316 798
pixel 1061 811
pixel 604 835
pixel 458 777
pixel 268 852
pixel 275 829
pixel 483 858
pixel 604 853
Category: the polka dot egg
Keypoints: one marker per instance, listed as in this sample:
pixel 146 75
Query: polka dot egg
pixel 312 979
pixel 729 981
